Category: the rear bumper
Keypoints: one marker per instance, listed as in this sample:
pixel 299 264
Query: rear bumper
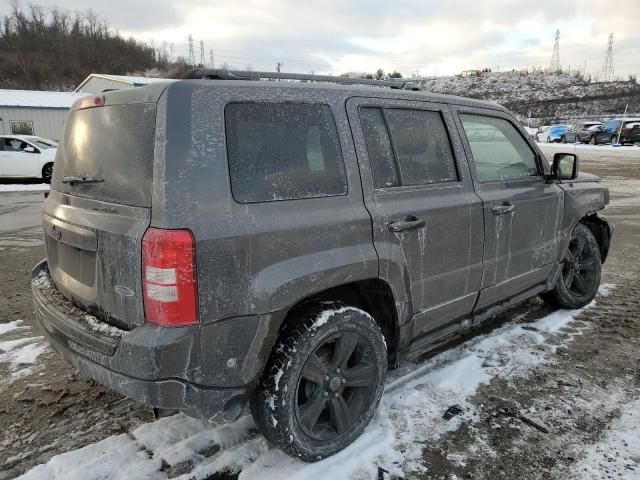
pixel 206 371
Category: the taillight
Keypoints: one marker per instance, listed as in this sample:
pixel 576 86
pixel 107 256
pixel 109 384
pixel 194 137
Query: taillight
pixel 91 102
pixel 169 277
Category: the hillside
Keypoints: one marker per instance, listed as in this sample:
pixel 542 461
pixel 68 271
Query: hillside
pixel 548 97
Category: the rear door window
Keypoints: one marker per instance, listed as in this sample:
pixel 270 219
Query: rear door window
pixel 407 147
pixel 379 147
pixel 498 149
pixel 283 151
pixel 422 147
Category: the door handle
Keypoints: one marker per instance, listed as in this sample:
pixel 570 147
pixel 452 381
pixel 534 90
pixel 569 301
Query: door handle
pixel 502 209
pixel 407 223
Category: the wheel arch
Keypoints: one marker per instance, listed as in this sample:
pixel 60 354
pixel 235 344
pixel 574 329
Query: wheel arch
pixel 601 230
pixel 374 296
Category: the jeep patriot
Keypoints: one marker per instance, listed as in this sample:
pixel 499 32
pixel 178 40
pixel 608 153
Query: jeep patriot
pixel 213 243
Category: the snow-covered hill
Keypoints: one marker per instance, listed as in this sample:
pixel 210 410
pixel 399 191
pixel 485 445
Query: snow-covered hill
pixel 546 97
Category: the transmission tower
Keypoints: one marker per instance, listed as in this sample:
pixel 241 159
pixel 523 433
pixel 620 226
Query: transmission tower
pixel 211 62
pixel 192 55
pixel 607 69
pixel 201 53
pixel 554 65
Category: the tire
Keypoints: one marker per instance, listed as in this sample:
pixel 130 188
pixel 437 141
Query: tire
pixel 579 279
pixel 593 140
pixel 47 172
pixel 323 381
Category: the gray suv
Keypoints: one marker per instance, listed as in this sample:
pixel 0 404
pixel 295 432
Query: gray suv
pixel 215 243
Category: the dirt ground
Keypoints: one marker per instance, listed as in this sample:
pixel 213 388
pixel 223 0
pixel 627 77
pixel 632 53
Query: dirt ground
pixel 530 428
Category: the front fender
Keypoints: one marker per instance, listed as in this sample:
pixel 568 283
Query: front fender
pixel 583 199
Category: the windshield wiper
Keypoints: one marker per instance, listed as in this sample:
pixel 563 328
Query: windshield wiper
pixel 75 180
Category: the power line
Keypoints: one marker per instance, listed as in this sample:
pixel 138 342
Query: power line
pixel 554 65
pixel 192 56
pixel 607 69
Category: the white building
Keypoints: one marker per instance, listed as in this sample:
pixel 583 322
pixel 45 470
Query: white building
pixel 99 82
pixel 31 112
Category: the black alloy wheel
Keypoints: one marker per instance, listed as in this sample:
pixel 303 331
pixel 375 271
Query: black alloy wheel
pixel 323 381
pixel 335 386
pixel 581 269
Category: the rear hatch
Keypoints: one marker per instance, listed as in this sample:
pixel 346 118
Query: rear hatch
pixel 100 207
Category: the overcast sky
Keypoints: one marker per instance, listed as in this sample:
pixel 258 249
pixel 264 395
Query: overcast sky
pixel 332 36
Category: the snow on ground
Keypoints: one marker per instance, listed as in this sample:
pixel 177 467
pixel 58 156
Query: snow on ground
pixel 21 187
pixel 410 414
pixel 586 146
pixel 18 353
pixel 617 455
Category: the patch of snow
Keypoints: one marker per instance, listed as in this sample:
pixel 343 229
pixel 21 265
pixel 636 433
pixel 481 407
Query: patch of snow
pixel 617 455
pixel 103 327
pixel 27 354
pixel 410 413
pixel 232 363
pixel 606 289
pixel 42 280
pixel 11 326
pixel 277 377
pixel 325 315
pixel 20 187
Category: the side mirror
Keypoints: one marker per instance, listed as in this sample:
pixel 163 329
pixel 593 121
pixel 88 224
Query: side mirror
pixel 29 149
pixel 565 166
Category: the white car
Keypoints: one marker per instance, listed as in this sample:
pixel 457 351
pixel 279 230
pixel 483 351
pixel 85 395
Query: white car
pixel 27 156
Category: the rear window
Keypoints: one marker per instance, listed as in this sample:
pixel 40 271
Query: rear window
pixel 283 151
pixel 113 144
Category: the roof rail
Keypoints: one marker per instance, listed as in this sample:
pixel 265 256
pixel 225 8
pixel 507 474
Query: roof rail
pixel 222 74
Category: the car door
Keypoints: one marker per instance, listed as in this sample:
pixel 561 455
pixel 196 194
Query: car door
pixel 426 217
pixel 522 211
pixel 608 129
pixel 16 161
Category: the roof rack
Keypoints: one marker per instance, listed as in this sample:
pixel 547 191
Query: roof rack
pixel 222 74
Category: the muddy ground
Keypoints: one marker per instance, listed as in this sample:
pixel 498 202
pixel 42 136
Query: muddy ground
pixel 534 427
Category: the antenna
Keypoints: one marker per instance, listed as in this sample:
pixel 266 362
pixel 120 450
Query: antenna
pixel 192 55
pixel 607 69
pixel 554 65
pixel 201 53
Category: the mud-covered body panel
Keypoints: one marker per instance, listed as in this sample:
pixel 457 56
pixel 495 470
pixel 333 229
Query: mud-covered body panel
pixel 254 258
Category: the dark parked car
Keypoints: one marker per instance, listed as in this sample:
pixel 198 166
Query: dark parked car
pixel 583 129
pixel 609 131
pixel 214 243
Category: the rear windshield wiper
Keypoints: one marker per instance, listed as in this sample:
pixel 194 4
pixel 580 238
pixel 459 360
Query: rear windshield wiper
pixel 75 180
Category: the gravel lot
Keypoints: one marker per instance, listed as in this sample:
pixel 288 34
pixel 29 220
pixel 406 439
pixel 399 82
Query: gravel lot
pixel 556 420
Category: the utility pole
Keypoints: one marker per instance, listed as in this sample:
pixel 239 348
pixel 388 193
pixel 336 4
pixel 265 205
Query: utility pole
pixel 201 53
pixel 554 65
pixel 211 62
pixel 607 68
pixel 192 55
